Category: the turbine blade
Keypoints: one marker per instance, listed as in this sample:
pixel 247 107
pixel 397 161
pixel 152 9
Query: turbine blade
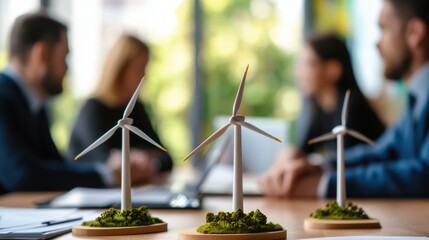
pixel 239 96
pixel 210 139
pixel 133 100
pixel 256 129
pixel 324 137
pixel 345 108
pixel 143 135
pixel 360 136
pixel 99 141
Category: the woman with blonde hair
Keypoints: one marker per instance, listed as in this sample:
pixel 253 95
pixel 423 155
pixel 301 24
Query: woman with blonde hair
pixel 122 71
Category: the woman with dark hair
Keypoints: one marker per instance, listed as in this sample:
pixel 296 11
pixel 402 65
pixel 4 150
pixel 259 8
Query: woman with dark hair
pixel 324 73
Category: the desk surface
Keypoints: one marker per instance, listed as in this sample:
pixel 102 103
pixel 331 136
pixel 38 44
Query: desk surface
pixel 397 217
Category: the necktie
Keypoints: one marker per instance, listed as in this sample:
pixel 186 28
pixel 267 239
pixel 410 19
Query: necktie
pixel 412 124
pixel 46 144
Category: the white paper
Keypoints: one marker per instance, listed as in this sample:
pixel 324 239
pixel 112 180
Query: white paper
pixel 370 238
pixel 13 217
pixel 26 223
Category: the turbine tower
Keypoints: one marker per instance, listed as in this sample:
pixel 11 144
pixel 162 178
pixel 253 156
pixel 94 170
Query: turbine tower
pixel 238 122
pixel 126 124
pixel 339 132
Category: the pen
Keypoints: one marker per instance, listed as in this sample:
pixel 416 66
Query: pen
pixel 53 222
pixel 39 225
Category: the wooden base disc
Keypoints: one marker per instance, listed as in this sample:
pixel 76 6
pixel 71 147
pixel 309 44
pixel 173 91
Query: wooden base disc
pixel 192 234
pixel 113 231
pixel 312 223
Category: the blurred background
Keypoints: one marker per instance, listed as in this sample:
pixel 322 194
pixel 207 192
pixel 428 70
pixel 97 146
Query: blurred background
pixel 200 49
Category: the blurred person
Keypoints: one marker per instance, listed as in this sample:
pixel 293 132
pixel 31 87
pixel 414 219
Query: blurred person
pixel 399 165
pixel 29 159
pixel 124 67
pixel 324 73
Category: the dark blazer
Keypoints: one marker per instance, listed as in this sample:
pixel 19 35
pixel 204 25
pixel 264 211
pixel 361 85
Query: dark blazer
pixel 29 160
pixel 95 118
pixel 314 121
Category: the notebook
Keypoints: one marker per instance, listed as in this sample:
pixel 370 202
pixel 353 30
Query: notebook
pixel 27 223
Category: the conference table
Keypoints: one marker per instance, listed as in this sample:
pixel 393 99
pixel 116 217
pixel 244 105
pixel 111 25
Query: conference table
pixel 398 217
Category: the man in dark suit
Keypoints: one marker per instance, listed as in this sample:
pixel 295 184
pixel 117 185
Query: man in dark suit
pixel 399 165
pixel 29 160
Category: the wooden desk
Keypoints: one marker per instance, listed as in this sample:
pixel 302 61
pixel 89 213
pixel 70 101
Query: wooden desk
pixel 397 217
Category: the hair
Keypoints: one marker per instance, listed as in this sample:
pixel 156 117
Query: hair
pixel 119 56
pixel 331 47
pixel 31 28
pixel 408 9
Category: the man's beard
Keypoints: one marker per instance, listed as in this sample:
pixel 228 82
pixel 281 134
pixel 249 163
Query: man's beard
pixel 52 84
pixel 398 71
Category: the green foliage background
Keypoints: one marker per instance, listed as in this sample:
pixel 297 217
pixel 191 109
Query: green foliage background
pixel 231 39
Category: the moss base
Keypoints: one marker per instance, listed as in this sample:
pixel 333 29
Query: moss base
pixel 237 222
pixel 128 218
pixel 334 212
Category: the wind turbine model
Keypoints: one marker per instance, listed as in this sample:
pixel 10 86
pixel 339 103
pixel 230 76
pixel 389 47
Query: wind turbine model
pixel 238 122
pixel 339 132
pixel 126 124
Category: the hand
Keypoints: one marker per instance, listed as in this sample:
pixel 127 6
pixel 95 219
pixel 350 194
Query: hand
pixel 295 178
pixel 142 167
pixel 286 155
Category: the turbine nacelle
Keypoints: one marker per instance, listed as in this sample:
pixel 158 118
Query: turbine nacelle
pixel 339 130
pixel 236 120
pixel 125 121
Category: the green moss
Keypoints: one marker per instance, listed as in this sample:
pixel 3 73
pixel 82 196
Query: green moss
pixel 333 211
pixel 237 222
pixel 115 218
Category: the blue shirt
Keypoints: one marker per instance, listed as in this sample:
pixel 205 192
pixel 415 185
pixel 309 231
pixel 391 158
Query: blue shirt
pixel 34 102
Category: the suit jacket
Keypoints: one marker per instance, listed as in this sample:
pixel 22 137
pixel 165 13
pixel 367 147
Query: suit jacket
pixel 29 159
pixel 399 165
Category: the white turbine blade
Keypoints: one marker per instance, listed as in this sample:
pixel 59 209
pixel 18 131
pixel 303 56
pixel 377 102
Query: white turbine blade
pixel 239 96
pixel 324 137
pixel 345 108
pixel 99 141
pixel 133 100
pixel 360 136
pixel 255 129
pixel 143 135
pixel 210 139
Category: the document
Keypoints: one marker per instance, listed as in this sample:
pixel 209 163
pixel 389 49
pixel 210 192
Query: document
pixel 27 223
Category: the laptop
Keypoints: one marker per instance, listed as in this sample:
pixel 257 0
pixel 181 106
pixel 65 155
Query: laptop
pixel 154 197
pixel 258 153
